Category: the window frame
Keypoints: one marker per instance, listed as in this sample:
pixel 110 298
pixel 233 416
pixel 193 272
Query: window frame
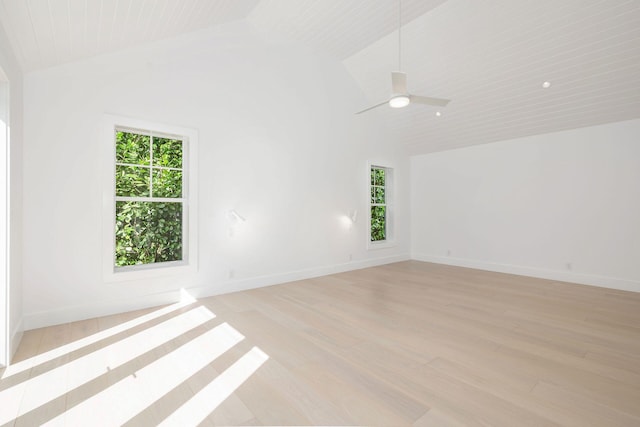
pixel 189 137
pixel 389 211
pixel 183 200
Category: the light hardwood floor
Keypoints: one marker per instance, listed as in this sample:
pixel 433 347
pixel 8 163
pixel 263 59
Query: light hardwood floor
pixel 409 343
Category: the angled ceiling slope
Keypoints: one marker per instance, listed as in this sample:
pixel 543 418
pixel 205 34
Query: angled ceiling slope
pixel 339 28
pixel 47 33
pixel 492 57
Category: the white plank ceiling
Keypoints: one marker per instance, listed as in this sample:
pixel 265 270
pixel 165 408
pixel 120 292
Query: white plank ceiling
pixel 489 56
pixel 337 27
pixel 492 56
pixel 51 32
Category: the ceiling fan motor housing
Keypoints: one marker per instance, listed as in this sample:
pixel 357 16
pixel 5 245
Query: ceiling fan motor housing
pixel 398 83
pixel 399 95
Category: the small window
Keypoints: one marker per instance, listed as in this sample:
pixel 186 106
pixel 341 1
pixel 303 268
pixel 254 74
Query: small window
pixel 379 227
pixel 150 198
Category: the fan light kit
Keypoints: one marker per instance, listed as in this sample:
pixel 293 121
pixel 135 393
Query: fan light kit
pixel 400 97
pixel 399 101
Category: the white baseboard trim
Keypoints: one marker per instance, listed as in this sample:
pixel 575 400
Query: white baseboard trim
pixel 16 337
pixel 262 281
pixel 69 314
pixel 106 308
pixel 562 276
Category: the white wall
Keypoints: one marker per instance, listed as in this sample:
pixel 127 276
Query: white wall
pixel 564 206
pixel 278 142
pixel 4 238
pixel 10 66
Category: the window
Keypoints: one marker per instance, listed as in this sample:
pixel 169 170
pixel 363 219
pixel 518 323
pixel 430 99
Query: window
pixel 149 198
pixel 380 229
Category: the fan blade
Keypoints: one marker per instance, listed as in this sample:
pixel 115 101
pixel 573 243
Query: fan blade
pixel 429 101
pixel 371 108
pixel 398 82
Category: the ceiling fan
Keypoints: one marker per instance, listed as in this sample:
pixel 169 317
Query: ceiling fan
pixel 400 97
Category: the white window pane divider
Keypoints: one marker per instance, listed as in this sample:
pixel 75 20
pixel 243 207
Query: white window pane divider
pixel 151 199
pixel 149 166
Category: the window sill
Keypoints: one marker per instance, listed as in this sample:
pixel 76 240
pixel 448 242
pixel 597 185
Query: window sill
pixel 381 245
pixel 138 272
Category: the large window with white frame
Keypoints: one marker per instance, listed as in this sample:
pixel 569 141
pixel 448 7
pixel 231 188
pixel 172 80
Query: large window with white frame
pixel 380 226
pixel 150 189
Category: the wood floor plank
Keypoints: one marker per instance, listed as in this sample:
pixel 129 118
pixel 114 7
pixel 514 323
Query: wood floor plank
pixel 408 343
pixel 358 404
pixel 436 418
pixel 591 412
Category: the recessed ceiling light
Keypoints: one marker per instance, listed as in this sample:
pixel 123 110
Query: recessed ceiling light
pixel 546 85
pixel 438 113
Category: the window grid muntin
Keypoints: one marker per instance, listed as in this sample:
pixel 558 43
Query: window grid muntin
pixel 153 135
pixel 147 166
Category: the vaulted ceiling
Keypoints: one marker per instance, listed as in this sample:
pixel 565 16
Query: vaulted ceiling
pixel 490 57
pixel 50 32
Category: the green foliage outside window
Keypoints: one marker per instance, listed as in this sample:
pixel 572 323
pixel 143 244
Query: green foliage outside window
pixel 148 231
pixel 167 152
pixel 378 223
pixel 378 205
pixel 377 176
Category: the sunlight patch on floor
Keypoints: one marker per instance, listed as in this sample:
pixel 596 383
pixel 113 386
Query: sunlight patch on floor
pixel 18 367
pixel 196 409
pixel 133 394
pixel 56 382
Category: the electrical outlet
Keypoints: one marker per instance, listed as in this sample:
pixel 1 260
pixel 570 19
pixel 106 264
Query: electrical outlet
pixel 231 273
pixel 448 252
